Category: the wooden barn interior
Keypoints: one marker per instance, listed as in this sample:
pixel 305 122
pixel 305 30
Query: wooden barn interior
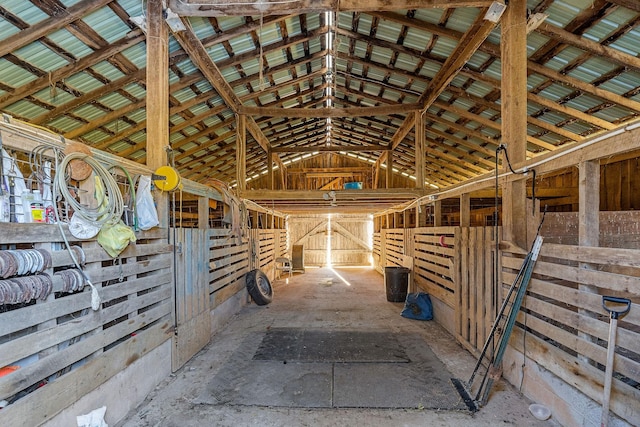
pixel 438 135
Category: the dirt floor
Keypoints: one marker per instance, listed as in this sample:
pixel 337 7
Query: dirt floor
pixel 232 383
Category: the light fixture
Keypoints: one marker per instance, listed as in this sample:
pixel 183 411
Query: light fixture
pixel 535 20
pixel 495 11
pixel 140 21
pixel 173 21
pixel 330 196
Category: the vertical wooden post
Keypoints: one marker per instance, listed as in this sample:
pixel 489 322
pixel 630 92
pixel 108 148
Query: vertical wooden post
pixel 465 210
pixel 375 176
pixel 420 149
pixel 270 170
pixel 241 151
pixel 588 224
pixel 514 116
pixel 203 213
pixel 157 85
pixel 389 171
pixel 157 97
pixel 437 213
pixel 589 204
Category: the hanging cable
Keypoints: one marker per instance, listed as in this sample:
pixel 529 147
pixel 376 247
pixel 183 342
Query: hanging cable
pixel 503 148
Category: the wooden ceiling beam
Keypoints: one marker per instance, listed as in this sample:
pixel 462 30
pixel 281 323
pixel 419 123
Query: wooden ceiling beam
pixel 560 35
pixel 343 195
pixel 201 59
pixel 330 149
pixel 355 169
pixel 629 4
pixel 327 112
pixel 494 50
pixel 583 86
pixel 467 46
pixel 86 98
pixel 233 8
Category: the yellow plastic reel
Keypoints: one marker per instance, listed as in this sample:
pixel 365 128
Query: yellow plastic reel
pixel 171 179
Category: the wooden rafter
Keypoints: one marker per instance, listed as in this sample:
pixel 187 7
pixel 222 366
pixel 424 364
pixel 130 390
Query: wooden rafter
pixel 225 8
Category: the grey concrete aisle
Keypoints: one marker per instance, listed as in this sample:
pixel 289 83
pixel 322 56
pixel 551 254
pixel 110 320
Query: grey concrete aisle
pixel 225 384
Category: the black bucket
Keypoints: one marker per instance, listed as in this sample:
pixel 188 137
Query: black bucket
pixel 396 280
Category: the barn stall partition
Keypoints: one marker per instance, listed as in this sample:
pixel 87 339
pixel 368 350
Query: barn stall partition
pixel 160 299
pixel 557 351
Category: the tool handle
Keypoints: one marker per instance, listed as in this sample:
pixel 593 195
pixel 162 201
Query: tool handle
pixel 617 300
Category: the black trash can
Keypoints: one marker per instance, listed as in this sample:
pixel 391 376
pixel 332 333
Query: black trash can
pixel 396 280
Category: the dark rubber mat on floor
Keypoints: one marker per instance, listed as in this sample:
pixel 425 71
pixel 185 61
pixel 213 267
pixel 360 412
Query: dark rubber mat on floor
pixel 303 345
pixel 301 368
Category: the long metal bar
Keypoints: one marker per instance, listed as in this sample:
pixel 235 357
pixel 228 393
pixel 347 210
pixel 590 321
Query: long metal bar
pixel 504 341
pixel 499 317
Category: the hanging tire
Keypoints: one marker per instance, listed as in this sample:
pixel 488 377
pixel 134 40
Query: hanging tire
pixel 259 287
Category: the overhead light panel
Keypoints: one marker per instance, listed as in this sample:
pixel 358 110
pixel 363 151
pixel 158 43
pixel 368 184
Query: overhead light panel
pixel 140 21
pixel 173 21
pixel 535 20
pixel 495 11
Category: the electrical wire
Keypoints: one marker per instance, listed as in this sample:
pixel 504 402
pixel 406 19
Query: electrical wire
pixel 524 171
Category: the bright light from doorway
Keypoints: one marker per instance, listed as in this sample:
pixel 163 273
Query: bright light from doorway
pixel 328 255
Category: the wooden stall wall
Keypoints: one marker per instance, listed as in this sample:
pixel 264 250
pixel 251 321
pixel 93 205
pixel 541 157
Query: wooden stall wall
pixel 478 296
pixel 563 329
pixel 61 347
pixel 228 263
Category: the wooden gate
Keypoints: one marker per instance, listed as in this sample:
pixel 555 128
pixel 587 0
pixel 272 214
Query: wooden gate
pixel 478 293
pixel 345 237
pixel 193 319
pixel 350 243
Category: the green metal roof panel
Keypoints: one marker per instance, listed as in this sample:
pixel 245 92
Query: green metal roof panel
pixel 138 115
pixel 107 24
pixel 83 82
pixel 417 39
pixel 25 11
pixel 107 70
pixel 12 75
pixel 25 109
pixel 55 97
pixel 137 54
pixel 242 44
pixel 114 100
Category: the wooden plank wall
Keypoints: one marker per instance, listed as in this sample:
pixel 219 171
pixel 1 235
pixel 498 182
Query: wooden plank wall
pixel 311 232
pixel 454 265
pixel 394 240
pixel 228 263
pixel 64 347
pixel 478 296
pixel 267 249
pixel 564 325
pixel 377 251
pixel 564 328
pixel 349 240
pixel 434 261
pixel 193 321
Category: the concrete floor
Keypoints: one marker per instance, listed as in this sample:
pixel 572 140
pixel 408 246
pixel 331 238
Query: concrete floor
pixel 322 299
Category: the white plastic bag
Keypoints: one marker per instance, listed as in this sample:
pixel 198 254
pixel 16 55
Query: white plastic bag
pixel 145 206
pixel 93 419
